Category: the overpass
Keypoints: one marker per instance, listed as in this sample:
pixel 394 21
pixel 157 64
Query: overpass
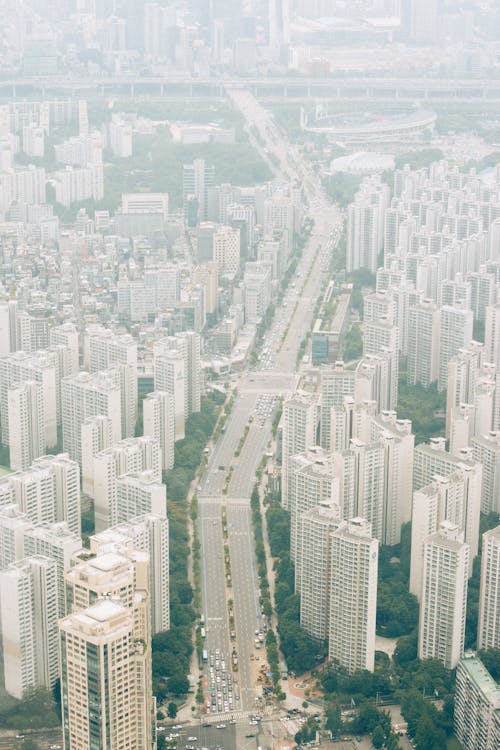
pixel 291 88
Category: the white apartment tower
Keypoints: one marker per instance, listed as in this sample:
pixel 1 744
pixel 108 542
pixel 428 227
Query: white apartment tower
pixel 148 533
pixel 14 524
pixel 336 383
pixel 492 334
pixel 26 411
pixel 486 451
pixel 57 542
pixel 170 377
pixel 96 436
pixel 313 567
pixel 66 335
pixel 455 333
pixel 159 423
pixel 299 424
pixel 104 349
pixel 441 628
pixel 488 627
pixel 29 606
pixel 477 706
pixel 140 494
pixel 41 368
pixel 85 395
pixel 132 455
pixel 353 595
pixel 423 343
pixel 463 371
pixel 310 482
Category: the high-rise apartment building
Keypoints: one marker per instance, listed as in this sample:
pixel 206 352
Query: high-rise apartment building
pixel 104 349
pixel 488 627
pixel 463 372
pixel 492 334
pixel 106 675
pixel 336 383
pixel 310 481
pixel 66 335
pixel 47 492
pixel 29 606
pixel 353 595
pixel 159 423
pixel 26 411
pixel 423 343
pixel 96 436
pixel 197 179
pixel 299 424
pixel 170 377
pixel 89 395
pixel 140 494
pixel 57 542
pixel 132 455
pixel 39 367
pixel 455 333
pixel 477 706
pixel 13 526
pixel 148 533
pixel 486 451
pixel 313 567
pixel 365 225
pixel 441 628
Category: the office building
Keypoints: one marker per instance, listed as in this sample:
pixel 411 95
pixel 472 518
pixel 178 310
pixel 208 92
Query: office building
pixel 488 627
pixel 477 706
pixel 313 567
pixel 132 455
pixel 89 395
pixel 26 411
pixel 159 423
pixel 29 606
pixel 227 249
pixel 353 595
pixel 441 628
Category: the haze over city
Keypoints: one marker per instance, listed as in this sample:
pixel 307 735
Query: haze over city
pixel 249 374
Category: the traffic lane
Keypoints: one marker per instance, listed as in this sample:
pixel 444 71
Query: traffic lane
pixel 209 737
pixel 213 578
pixel 246 596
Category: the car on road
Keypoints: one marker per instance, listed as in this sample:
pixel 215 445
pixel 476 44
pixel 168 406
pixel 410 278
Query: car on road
pixel 220 726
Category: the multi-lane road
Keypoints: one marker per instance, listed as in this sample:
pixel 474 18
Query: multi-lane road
pixel 230 587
